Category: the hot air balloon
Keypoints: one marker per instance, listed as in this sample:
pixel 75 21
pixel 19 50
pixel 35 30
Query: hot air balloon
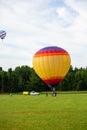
pixel 2 34
pixel 51 64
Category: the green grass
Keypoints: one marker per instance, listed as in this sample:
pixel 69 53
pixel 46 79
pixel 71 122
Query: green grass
pixel 66 111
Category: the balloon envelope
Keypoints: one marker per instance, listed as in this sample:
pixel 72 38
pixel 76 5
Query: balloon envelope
pixel 2 34
pixel 51 64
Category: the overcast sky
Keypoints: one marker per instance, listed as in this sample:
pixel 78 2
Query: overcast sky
pixel 34 24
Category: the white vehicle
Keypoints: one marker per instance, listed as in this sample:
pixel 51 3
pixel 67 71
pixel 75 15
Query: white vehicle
pixel 34 93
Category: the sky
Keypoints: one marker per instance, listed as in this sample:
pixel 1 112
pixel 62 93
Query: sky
pixel 34 24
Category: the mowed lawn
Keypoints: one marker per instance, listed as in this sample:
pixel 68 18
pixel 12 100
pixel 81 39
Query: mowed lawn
pixel 64 112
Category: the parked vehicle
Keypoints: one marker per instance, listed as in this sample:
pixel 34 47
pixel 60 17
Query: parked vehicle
pixel 34 93
pixel 26 93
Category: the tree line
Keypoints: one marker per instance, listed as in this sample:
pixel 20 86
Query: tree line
pixel 24 78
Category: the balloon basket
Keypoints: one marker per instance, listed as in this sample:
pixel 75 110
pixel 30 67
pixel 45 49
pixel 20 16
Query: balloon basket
pixel 54 92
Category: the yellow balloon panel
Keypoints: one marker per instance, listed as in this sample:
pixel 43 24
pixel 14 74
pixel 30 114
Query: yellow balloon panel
pixel 51 66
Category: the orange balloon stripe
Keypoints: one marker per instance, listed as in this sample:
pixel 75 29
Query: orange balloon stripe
pixel 50 53
pixel 53 80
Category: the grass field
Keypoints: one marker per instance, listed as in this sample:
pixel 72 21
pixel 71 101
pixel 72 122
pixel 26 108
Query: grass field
pixel 66 111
